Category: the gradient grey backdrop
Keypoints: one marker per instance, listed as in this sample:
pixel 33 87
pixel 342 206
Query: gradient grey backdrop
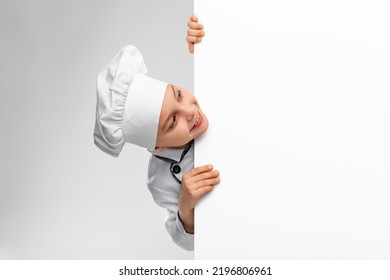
pixel 60 196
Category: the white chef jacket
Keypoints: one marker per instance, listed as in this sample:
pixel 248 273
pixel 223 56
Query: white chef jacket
pixel 165 191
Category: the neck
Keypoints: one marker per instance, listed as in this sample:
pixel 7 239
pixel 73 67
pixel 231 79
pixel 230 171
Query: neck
pixel 183 146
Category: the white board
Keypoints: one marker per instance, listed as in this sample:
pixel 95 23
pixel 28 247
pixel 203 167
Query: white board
pixel 298 98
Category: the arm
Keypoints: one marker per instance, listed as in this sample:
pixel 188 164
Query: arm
pixel 175 198
pixel 195 33
pixel 177 232
pixel 180 223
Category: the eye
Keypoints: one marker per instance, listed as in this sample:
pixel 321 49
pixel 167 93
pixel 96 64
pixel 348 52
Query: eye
pixel 178 95
pixel 173 123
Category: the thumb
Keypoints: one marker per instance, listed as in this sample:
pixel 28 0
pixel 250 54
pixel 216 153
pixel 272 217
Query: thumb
pixel 191 47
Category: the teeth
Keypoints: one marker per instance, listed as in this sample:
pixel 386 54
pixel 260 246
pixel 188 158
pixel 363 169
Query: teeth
pixel 197 120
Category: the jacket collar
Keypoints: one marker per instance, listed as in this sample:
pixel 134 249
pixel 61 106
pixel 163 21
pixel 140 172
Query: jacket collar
pixel 171 153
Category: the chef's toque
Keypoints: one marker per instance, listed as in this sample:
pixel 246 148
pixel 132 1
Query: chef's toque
pixel 128 103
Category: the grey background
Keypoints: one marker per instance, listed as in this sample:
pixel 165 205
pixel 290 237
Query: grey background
pixel 60 196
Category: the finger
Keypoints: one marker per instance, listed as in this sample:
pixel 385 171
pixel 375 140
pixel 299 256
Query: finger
pixel 205 176
pixel 198 170
pixel 208 182
pixel 202 191
pixel 193 17
pixel 193 39
pixel 194 25
pixel 196 33
pixel 191 47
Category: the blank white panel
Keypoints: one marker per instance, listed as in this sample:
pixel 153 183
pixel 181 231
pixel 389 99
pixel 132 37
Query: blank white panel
pixel 298 98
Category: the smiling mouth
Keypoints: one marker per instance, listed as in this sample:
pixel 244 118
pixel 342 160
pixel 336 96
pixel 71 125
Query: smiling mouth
pixel 198 121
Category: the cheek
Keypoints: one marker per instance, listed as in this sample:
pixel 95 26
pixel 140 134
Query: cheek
pixel 190 98
pixel 182 131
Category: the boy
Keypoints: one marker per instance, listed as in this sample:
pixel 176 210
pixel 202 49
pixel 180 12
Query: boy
pixel 163 118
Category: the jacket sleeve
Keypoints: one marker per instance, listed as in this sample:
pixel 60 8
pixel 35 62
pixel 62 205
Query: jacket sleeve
pixel 176 230
pixel 165 192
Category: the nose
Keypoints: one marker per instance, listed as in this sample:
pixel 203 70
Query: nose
pixel 188 111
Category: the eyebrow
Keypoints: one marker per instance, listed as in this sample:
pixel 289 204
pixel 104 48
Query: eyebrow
pixel 164 128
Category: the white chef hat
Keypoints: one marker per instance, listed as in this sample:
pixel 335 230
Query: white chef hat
pixel 128 103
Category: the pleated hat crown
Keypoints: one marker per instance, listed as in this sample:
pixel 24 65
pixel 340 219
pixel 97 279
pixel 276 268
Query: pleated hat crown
pixel 128 103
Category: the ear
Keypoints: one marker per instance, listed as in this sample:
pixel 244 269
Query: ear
pixel 161 149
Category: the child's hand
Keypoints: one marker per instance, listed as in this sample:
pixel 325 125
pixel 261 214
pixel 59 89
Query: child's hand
pixel 194 32
pixel 195 184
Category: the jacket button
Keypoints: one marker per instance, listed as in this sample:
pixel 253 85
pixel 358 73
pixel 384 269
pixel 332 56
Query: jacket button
pixel 176 169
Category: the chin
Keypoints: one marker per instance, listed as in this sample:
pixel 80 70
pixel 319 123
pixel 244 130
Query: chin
pixel 206 125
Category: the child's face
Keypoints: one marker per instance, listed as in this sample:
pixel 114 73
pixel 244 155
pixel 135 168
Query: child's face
pixel 181 119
